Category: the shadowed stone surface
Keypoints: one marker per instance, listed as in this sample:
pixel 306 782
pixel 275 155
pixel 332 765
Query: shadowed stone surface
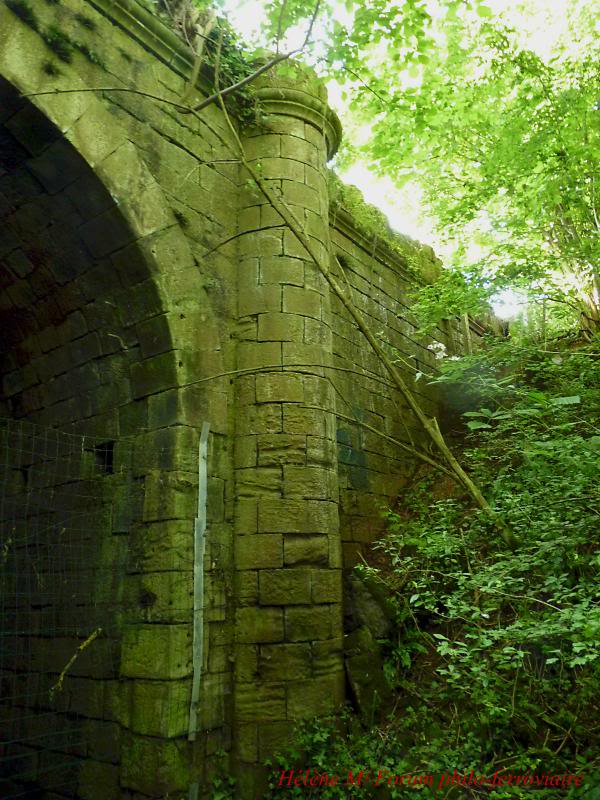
pixel 144 291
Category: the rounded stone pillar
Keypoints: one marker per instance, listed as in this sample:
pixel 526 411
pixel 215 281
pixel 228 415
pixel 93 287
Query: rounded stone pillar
pixel 288 659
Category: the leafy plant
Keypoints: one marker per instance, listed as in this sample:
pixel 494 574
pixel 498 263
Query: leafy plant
pixel 496 657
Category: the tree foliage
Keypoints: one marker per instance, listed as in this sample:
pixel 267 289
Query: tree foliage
pixel 503 141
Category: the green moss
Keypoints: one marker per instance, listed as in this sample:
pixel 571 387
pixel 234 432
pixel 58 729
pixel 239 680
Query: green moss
pixel 50 69
pixel 181 219
pixel 86 22
pixel 91 55
pixel 372 223
pixel 23 12
pixel 59 43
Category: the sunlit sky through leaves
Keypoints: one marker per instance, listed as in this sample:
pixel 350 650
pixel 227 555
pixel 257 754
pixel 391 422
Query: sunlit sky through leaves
pixel 540 23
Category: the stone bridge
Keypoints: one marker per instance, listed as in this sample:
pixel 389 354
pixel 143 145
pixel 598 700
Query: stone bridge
pixel 147 290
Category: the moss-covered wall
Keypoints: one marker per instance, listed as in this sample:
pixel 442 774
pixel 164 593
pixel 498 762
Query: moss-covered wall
pixel 383 270
pixel 147 289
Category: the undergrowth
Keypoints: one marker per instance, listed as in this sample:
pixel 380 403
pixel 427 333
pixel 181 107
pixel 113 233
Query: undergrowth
pixel 495 658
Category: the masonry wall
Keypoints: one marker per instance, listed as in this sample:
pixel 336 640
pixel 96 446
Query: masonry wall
pixel 112 313
pixel 383 272
pixel 146 290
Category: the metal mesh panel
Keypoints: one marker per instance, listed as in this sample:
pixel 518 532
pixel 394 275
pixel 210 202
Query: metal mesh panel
pixel 62 562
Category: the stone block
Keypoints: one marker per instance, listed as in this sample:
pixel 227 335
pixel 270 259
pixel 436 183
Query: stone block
pixel 309 482
pixel 245 740
pixel 274 737
pixel 259 551
pixel 246 516
pixel 301 151
pixel 246 663
pixel 169 496
pixel 282 271
pixel 260 702
pixel 290 126
pixel 328 656
pixel 246 587
pixel 281 587
pixel 257 625
pixel 248 274
pixel 255 355
pixel 293 248
pixel 249 218
pixel 315 178
pixel 317 332
pixel 321 451
pixel 156 651
pixel 259 300
pixel 154 375
pixel 305 302
pixel 162 546
pixel 270 216
pixel 211 707
pixel 107 233
pixel 280 327
pixel 308 623
pixel 278 515
pixel 284 661
pixel 104 739
pixel 262 243
pixel 266 418
pixel 312 356
pixel 254 482
pixel 304 196
pixel 283 168
pixel 154 766
pixel 318 392
pixel 305 549
pixel 160 596
pixel 160 708
pixel 245 451
pixel 258 146
pixel 279 387
pixel 300 420
pixel 315 697
pixel 280 448
pixel 326 586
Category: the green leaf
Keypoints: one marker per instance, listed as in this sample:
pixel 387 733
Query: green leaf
pixel 567 401
pixel 484 11
pixel 476 426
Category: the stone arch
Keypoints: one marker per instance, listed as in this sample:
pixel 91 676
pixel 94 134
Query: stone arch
pixel 88 253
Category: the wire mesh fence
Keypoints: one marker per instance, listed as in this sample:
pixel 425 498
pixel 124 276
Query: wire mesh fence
pixel 62 563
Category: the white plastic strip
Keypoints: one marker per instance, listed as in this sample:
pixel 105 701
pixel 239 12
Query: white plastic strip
pixel 199 531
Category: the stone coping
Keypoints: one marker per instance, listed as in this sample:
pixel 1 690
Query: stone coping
pixel 286 101
pixel 156 37
pixel 150 32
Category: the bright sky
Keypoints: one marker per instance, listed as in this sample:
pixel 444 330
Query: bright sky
pixel 540 23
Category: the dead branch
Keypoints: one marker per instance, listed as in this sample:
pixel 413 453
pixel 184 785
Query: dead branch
pixel 59 683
